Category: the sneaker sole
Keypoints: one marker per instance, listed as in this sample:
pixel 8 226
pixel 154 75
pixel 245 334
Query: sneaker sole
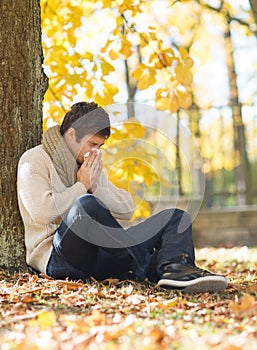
pixel 198 285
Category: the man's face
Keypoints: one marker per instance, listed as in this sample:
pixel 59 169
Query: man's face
pixel 79 148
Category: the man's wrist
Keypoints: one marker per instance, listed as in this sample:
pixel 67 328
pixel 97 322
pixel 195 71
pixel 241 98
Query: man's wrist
pixel 92 190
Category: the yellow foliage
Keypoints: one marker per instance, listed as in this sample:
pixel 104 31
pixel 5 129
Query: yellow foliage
pixel 61 22
pixel 126 48
pixel 163 103
pixel 166 57
pixel 82 66
pixel 146 76
pixel 184 98
pixel 106 67
pixel 114 54
pixel 167 100
pixel 107 3
pixel 105 97
pixel 134 129
pixel 130 165
pixel 183 74
pixel 144 39
pixel 46 319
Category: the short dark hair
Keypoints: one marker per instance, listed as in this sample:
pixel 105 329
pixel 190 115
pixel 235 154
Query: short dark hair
pixel 87 118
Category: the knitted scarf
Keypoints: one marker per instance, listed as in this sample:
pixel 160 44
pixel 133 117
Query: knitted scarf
pixel 63 160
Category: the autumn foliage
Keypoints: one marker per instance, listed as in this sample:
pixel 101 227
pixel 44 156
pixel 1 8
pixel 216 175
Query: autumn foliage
pixel 150 51
pixel 74 69
pixel 42 313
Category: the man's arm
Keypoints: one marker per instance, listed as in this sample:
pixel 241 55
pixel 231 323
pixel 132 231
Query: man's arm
pixel 36 192
pixel 118 201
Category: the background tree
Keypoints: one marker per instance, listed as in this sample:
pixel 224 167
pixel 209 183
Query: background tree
pixel 22 86
pixel 136 52
pixel 78 68
pixel 253 4
pixel 242 172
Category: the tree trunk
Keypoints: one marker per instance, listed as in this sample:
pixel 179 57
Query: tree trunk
pixel 22 87
pixel 253 4
pixel 178 165
pixel 242 166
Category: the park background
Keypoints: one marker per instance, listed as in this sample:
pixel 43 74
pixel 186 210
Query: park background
pixel 179 80
pixel 196 61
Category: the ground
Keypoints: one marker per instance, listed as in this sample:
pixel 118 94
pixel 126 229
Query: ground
pixel 41 313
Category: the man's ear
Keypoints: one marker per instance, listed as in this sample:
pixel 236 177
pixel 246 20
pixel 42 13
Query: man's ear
pixel 71 135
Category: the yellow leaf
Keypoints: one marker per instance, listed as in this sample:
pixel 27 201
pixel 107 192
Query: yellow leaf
pixel 113 55
pixel 89 89
pixel 168 303
pixel 184 98
pixel 189 62
pixel 145 76
pixel 153 36
pixel 107 3
pixel 119 21
pixel 183 74
pixel 144 39
pixel 146 81
pixel 105 97
pixel 166 100
pixel 88 56
pixel 106 68
pixel 183 53
pixel 46 319
pixel 137 73
pixel 126 49
pixel 105 47
pixel 162 93
pixel 166 57
pixel 135 129
pixel 163 103
pixel 173 103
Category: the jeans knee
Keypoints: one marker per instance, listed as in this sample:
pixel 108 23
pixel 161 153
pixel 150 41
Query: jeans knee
pixel 181 217
pixel 185 220
pixel 90 204
pixel 183 214
pixel 87 200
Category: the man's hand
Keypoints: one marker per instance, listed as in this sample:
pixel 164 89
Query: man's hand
pixel 90 170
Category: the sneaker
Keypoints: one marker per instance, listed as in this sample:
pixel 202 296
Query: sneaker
pixel 185 276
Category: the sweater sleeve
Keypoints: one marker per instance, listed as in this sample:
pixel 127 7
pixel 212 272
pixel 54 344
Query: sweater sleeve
pixel 43 203
pixel 118 201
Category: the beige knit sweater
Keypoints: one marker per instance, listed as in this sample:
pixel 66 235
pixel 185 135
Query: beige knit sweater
pixel 43 201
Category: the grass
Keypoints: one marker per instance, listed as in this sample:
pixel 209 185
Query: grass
pixel 41 313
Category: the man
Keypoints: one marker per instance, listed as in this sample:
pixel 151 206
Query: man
pixel 69 210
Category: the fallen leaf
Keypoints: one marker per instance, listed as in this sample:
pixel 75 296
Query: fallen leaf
pixel 69 285
pixel 233 347
pixel 245 304
pixel 46 319
pixel 165 304
pixel 96 318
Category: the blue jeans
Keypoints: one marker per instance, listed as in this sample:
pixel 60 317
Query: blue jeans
pixel 90 242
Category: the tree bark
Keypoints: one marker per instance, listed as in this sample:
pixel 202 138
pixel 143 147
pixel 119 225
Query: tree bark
pixel 253 4
pixel 242 166
pixel 22 87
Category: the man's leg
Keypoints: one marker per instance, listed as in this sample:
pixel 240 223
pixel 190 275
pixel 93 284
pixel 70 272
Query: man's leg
pixel 89 228
pixel 174 250
pixel 170 232
pixel 77 250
